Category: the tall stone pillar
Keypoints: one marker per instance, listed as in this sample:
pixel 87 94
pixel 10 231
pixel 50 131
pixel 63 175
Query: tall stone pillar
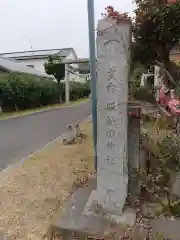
pixel 113 55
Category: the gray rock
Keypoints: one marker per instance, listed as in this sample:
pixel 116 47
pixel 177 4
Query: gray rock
pixel 150 209
pixel 70 134
pixel 176 186
pixel 169 228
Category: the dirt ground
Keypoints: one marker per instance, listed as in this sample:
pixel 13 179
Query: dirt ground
pixel 32 194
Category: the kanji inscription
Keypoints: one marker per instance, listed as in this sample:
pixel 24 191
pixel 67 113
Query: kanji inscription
pixel 110 133
pixel 110 160
pixel 111 106
pixel 112 96
pixel 111 120
pixel 111 74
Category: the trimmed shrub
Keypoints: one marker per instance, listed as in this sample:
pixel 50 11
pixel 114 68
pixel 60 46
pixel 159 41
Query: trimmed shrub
pixel 20 91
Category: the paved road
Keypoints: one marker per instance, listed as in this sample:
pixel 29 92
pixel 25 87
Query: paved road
pixel 22 136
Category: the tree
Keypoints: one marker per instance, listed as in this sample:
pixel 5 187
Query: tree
pixel 57 69
pixel 156 30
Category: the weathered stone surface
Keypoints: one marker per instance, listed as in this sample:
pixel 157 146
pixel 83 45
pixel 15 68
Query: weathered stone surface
pixel 77 129
pixel 127 218
pixel 72 223
pixel 176 186
pixel 169 228
pixel 113 50
pixel 72 218
pixel 150 210
pixel 70 134
pixel 4 237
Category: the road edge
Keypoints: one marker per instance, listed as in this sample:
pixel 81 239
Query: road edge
pixel 4 171
pixel 44 110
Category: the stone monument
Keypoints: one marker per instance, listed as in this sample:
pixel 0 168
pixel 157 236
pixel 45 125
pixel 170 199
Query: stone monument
pixel 70 135
pixel 113 56
pixel 92 207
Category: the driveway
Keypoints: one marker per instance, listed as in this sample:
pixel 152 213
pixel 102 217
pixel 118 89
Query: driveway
pixel 22 136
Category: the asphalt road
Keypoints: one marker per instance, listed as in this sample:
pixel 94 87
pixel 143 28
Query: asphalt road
pixel 22 136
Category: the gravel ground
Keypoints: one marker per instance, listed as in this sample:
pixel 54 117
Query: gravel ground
pixel 32 194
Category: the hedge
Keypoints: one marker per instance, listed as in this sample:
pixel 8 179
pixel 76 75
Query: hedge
pixel 20 91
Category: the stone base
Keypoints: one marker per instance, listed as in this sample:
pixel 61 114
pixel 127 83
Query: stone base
pixel 127 217
pixel 3 237
pixel 176 186
pixel 73 222
pixel 170 229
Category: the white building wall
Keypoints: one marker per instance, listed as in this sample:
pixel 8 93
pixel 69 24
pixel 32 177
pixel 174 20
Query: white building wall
pixel 75 77
pixel 38 63
pixel 72 56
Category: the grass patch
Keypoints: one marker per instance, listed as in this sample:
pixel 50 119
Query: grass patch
pixel 33 110
pixel 32 194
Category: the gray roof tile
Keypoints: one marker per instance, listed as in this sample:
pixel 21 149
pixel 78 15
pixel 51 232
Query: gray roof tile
pixel 25 54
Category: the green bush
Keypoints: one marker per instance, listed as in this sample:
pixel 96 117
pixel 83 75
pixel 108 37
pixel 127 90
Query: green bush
pixel 144 94
pixel 20 91
pixel 169 152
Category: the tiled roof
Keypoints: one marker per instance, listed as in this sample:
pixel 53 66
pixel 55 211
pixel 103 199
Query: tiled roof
pixel 39 53
pixel 14 66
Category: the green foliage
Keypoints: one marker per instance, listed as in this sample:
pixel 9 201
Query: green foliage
pixel 156 30
pixel 171 207
pixel 79 90
pixel 177 92
pixel 144 94
pixel 169 153
pixel 135 79
pixel 55 68
pixel 20 91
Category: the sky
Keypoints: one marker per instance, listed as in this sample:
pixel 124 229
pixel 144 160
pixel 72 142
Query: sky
pixel 45 24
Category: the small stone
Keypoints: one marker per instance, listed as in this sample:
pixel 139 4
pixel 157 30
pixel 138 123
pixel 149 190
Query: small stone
pixel 149 209
pixel 128 217
pixel 169 228
pixel 78 130
pixel 70 135
pixel 176 186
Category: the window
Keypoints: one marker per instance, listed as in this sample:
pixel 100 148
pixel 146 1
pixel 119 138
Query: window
pixel 30 65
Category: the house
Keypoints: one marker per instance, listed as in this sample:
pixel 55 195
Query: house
pixel 78 77
pixel 10 65
pixel 36 59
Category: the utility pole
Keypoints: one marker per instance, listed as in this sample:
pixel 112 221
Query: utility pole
pixel 92 53
pixel 67 83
